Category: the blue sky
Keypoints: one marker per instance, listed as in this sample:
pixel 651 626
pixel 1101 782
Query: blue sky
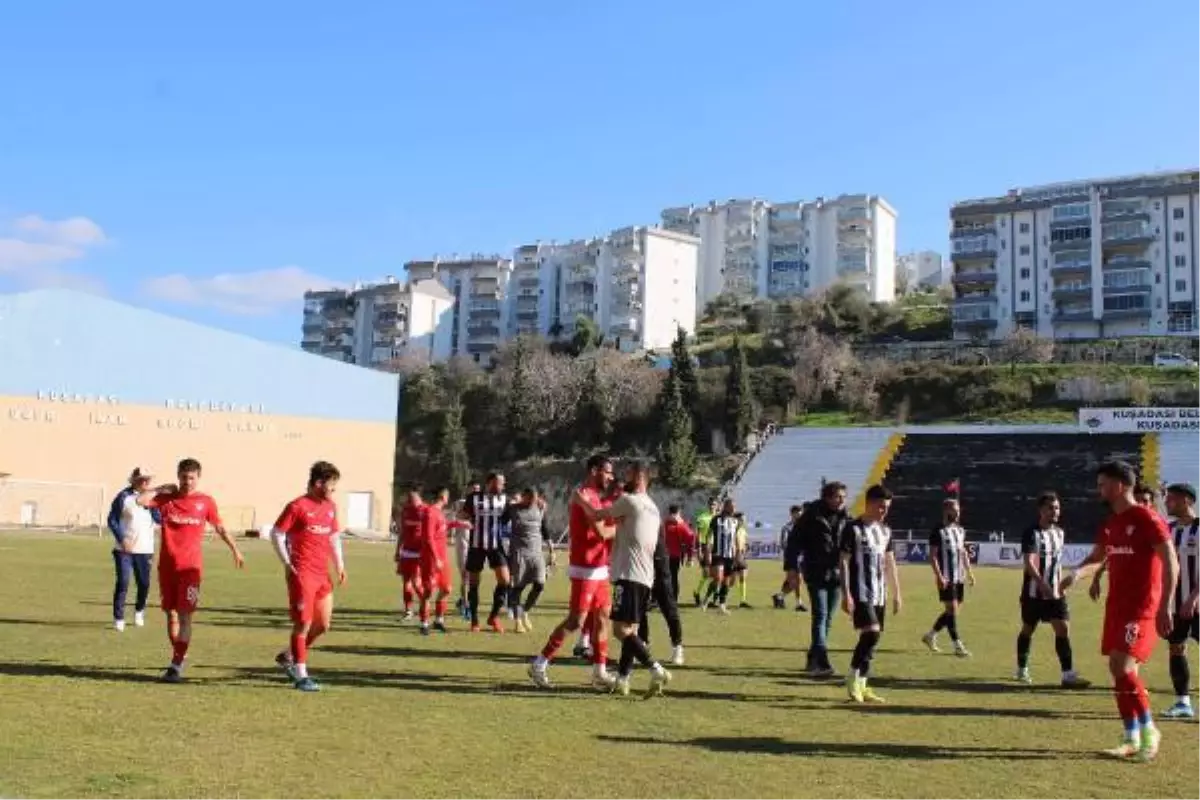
pixel 212 160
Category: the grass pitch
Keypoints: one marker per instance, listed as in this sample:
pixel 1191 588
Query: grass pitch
pixel 405 716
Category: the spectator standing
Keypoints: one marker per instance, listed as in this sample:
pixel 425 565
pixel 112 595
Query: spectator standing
pixel 132 525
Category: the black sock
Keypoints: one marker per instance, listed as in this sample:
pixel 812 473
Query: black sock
pixel 498 595
pixel 864 651
pixel 939 623
pixel 1180 675
pixel 1024 640
pixel 638 648
pixel 625 664
pixel 712 591
pixel 514 597
pixel 952 626
pixel 722 594
pixel 534 594
pixel 473 602
pixel 1062 646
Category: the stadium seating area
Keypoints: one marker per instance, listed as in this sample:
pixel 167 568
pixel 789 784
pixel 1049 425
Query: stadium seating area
pixel 1000 476
pixel 1178 457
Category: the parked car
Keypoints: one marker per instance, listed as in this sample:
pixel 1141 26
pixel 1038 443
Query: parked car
pixel 1169 360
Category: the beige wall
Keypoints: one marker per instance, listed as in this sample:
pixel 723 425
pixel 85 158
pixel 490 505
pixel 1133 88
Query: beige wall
pixel 69 457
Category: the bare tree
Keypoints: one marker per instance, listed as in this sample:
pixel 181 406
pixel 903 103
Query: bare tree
pixel 1024 346
pixel 820 363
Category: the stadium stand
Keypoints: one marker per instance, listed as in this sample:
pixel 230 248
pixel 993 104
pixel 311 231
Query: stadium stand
pixel 1178 457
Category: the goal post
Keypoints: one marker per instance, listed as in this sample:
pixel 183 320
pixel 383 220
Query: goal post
pixel 51 505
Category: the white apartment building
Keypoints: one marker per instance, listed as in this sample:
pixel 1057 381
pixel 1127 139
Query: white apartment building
pixel 372 324
pixel 924 269
pixel 756 248
pixel 1091 258
pixel 478 287
pixel 638 284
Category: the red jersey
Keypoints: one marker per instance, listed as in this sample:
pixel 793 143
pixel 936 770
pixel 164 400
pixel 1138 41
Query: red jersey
pixel 680 539
pixel 412 530
pixel 185 517
pixel 589 552
pixel 309 524
pixel 1134 570
pixel 434 539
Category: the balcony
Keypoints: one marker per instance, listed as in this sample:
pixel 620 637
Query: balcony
pixel 983 277
pixel 527 315
pixel 312 324
pixel 485 293
pixel 1082 243
pixel 1142 288
pixel 583 286
pixel 1079 266
pixel 973 230
pixel 854 215
pixel 484 312
pixel 527 300
pixel 1126 262
pixel 1124 211
pixel 974 249
pixel 974 298
pixel 529 282
pixel 1127 235
pixel 1126 312
pixel 482 329
pixel 1074 314
pixel 1072 291
pixel 481 348
pixel 975 324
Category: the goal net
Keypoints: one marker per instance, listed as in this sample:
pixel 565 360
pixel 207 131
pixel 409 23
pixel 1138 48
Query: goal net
pixel 51 505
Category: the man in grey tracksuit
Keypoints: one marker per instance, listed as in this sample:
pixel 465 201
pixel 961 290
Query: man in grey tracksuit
pixel 526 559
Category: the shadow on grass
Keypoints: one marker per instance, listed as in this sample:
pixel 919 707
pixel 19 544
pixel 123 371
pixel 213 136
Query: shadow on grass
pixel 390 651
pixel 969 686
pixel 46 669
pixel 973 711
pixel 58 623
pixel 777 746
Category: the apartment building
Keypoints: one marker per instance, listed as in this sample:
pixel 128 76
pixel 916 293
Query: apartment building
pixel 478 286
pixel 1092 258
pixel 924 269
pixel 372 324
pixel 638 284
pixel 756 248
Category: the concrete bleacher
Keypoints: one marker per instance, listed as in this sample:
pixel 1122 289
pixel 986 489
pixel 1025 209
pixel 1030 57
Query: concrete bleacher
pixel 791 465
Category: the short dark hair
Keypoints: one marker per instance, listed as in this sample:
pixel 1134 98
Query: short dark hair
pixel 795 510
pixel 492 476
pixel 1145 488
pixel 1185 489
pixel 1046 498
pixel 639 467
pixel 188 465
pixel 828 490
pixel 879 492
pixel 322 471
pixel 1118 471
pixel 597 461
pixel 416 487
pixel 529 490
pixel 672 509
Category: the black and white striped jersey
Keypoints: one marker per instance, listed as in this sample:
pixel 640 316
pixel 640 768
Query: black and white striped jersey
pixel 868 545
pixel 1184 536
pixel 722 536
pixel 1047 545
pixel 785 533
pixel 950 542
pixel 488 519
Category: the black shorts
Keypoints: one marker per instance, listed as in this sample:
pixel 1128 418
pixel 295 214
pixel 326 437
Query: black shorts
pixel 738 565
pixel 954 591
pixel 492 556
pixel 725 564
pixel 1183 629
pixel 704 560
pixel 867 616
pixel 630 600
pixel 1037 609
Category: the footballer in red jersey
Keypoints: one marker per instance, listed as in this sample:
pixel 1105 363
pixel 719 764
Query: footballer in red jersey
pixel 588 568
pixel 186 513
pixel 436 575
pixel 306 538
pixel 1142 570
pixel 410 533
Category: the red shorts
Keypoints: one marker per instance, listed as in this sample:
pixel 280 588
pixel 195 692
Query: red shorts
pixel 305 592
pixel 1135 637
pixel 588 596
pixel 409 568
pixel 179 589
pixel 433 579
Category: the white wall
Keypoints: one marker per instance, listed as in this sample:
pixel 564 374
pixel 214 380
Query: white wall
pixel 669 293
pixel 429 325
pixel 883 254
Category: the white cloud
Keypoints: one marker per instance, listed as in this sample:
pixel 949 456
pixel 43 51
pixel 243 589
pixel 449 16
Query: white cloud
pixel 249 293
pixel 36 251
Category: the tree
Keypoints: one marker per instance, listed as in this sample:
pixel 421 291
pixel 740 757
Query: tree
pixel 520 401
pixel 1024 346
pixel 594 418
pixel 587 335
pixel 676 450
pixel 683 368
pixel 451 458
pixel 739 399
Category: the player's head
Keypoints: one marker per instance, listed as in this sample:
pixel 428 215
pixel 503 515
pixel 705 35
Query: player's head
pixel 139 481
pixel 323 479
pixel 728 508
pixel 188 473
pixel 637 476
pixel 495 483
pixel 1115 481
pixel 1144 495
pixel 599 471
pixel 950 510
pixel 1049 508
pixel 1181 500
pixel 441 495
pixel 713 505
pixel 528 496
pixel 833 494
pixel 413 495
pixel 795 512
pixel 473 488
pixel 879 501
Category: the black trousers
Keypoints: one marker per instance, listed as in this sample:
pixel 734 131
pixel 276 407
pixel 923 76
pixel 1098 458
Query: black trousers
pixel 664 593
pixel 675 564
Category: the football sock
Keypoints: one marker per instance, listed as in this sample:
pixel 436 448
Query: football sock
pixel 1062 646
pixel 952 626
pixel 1024 640
pixel 1180 675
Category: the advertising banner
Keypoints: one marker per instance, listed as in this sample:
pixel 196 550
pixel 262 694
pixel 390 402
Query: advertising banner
pixel 996 554
pixel 1138 420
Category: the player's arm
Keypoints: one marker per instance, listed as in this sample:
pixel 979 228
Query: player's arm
pixel 153 497
pixel 214 519
pixel 966 560
pixel 935 558
pixel 606 519
pixel 893 576
pixel 339 557
pixel 1029 554
pixel 428 526
pixel 847 548
pixel 1086 567
pixel 1170 577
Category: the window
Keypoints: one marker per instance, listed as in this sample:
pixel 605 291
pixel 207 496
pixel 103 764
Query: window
pixel 1024 250
pixel 1003 245
pixel 1181 261
pixel 1024 227
pixel 1181 286
pixel 1177 213
pixel 1179 237
pixel 1025 296
pixel 1024 273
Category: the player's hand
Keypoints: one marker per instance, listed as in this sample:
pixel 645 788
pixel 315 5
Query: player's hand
pixel 1190 606
pixel 438 566
pixel 971 579
pixel 1095 589
pixel 847 604
pixel 942 582
pixel 897 604
pixel 1048 594
pixel 238 560
pixel 1164 620
pixel 342 577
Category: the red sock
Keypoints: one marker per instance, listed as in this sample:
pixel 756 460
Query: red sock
pixel 1124 691
pixel 299 648
pixel 179 650
pixel 553 644
pixel 424 610
pixel 1140 703
pixel 408 596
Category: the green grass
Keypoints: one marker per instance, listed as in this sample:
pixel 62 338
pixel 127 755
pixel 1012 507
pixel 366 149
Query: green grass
pixel 405 716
